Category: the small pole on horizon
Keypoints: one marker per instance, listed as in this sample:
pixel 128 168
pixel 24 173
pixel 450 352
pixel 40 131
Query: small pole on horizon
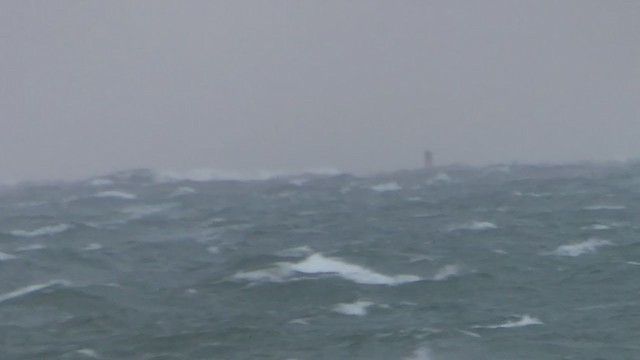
pixel 428 159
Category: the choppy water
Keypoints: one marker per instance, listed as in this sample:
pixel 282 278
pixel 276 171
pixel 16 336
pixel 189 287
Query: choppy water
pixel 520 262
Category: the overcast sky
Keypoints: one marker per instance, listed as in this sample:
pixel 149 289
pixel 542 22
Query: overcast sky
pixel 88 87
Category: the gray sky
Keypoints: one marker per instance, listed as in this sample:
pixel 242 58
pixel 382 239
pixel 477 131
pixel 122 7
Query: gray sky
pixel 88 87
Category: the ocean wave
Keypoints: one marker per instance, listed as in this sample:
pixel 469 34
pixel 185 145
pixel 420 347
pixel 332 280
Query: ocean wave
pixel 32 289
pixel 5 256
pixel 319 264
pixel 92 247
pixel 475 226
pixel 440 178
pixel 204 175
pixel 100 182
pixel 391 186
pixel 358 308
pixel 577 249
pixel 447 272
pixel 604 207
pixel 136 212
pixel 181 191
pixel 296 251
pixel 115 194
pixel 521 321
pixel 31 247
pixel 88 353
pixel 596 227
pixel 421 353
pixel 47 230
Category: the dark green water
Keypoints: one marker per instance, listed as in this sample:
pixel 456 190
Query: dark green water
pixel 520 262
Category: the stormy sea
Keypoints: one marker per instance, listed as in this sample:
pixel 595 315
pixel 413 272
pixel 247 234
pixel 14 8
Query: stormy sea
pixel 453 263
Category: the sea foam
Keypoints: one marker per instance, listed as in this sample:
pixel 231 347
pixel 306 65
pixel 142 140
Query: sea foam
pixel 524 320
pixel 318 264
pixel 358 308
pixel 204 175
pixel 604 207
pixel 475 226
pixel 577 249
pixel 47 230
pixel 115 195
pixel 447 272
pixel 5 256
pixel 31 289
pixel 392 186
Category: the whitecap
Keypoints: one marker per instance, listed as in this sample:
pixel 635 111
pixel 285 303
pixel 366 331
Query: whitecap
pixel 100 182
pixel 92 247
pixel 296 251
pixel 475 226
pixel 5 256
pixel 447 272
pixel 204 175
pixel 358 308
pixel 470 333
pixel 136 212
pixel 421 353
pixel 604 207
pixel 299 322
pixel 31 289
pixel 391 186
pixel 275 274
pixel 213 249
pixel 524 320
pixel 577 249
pixel 31 247
pixel 183 190
pixel 47 230
pixel 88 353
pixel 115 195
pixel 596 227
pixel 440 178
pixel 319 264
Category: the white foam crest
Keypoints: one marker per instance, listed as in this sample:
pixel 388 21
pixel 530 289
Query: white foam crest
pixel 115 194
pixel 577 249
pixel 605 207
pixel 447 272
pixel 391 186
pixel 100 182
pixel 136 212
pixel 31 247
pixel 275 274
pixel 524 320
pixel 440 178
pixel 213 249
pixel 47 230
pixel 358 308
pixel 319 264
pixel 31 289
pixel 88 353
pixel 5 256
pixel 421 353
pixel 596 227
pixel 204 174
pixel 475 226
pixel 296 251
pixel 183 190
pixel 92 247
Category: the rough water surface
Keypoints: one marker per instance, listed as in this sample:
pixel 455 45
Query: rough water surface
pixel 494 263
